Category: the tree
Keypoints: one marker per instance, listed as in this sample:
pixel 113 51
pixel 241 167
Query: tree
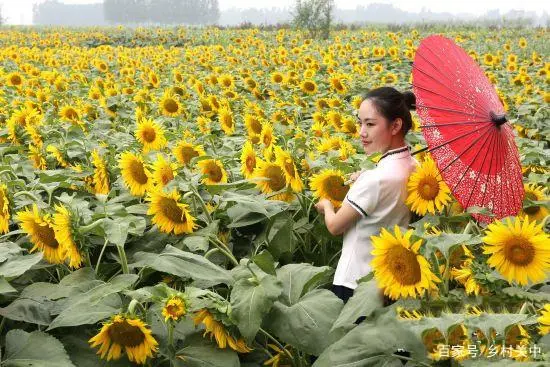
pixel 315 16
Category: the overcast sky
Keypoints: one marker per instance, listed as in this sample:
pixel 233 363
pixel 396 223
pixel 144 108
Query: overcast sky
pixel 20 11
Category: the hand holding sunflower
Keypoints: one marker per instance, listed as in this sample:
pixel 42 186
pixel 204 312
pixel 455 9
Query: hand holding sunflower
pixel 323 204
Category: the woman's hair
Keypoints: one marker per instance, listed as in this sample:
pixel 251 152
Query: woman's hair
pixel 392 104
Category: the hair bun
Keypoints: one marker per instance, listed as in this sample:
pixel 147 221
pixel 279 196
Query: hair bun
pixel 410 100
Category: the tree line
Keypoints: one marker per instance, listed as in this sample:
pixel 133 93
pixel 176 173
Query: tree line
pixel 161 11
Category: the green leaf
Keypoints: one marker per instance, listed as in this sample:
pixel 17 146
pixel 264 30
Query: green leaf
pixel 200 352
pixel 30 310
pixel 499 322
pixel 116 231
pixel 83 355
pixel 196 243
pixel 265 261
pixel 19 264
pixel 307 323
pixel 94 305
pixel 5 286
pixel 8 250
pixel 364 302
pixel 184 264
pixel 34 349
pixel 280 237
pixel 523 294
pixel 251 300
pixel 445 242
pixel 373 343
pixel 79 276
pixel 295 277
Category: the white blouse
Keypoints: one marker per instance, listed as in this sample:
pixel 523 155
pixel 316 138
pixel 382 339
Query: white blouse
pixel 379 196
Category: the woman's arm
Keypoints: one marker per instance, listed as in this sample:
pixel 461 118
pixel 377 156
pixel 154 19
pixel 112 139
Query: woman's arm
pixel 337 223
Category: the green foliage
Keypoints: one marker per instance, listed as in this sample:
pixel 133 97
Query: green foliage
pixel 314 16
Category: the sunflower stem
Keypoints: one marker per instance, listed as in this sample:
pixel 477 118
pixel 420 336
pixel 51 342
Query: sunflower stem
pixel 123 260
pixel 100 257
pixel 211 252
pixel 269 336
pixel 221 246
pixel 468 227
pixel 29 194
pixel 203 205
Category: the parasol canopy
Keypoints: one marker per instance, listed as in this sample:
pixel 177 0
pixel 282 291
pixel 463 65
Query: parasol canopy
pixel 466 130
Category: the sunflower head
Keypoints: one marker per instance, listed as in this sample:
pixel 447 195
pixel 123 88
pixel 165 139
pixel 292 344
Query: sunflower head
pixel 4 209
pixel 534 192
pixel 150 135
pixel 169 105
pixel 248 160
pixel 214 171
pixel 329 184
pixel 63 227
pixel 134 173
pixel 163 171
pixel 223 336
pixel 123 333
pixel 427 192
pixel 271 179
pixel 518 249
pixel 185 151
pixel 174 308
pixel 169 214
pixel 398 266
pixel 40 228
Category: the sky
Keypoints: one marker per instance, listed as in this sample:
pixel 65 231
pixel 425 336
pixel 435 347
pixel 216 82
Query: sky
pixel 20 11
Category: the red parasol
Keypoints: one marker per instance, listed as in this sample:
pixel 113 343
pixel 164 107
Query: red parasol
pixel 465 126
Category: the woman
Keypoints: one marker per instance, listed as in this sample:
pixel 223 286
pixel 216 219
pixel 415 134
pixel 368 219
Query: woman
pixel 377 197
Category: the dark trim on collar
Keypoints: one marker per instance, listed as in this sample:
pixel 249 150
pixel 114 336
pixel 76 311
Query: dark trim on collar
pixel 394 151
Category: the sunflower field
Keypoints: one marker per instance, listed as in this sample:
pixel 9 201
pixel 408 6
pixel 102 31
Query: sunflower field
pixel 157 191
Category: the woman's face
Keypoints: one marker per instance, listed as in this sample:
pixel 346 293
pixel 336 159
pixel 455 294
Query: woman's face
pixel 376 132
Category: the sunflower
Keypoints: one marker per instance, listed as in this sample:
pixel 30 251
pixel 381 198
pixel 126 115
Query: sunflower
pixel 70 113
pixel 248 160
pixel 14 79
pixel 36 157
pixel 170 106
pixel 174 308
pixel 41 231
pixel 204 125
pixel 185 151
pixel 134 173
pixel 337 84
pixel 329 184
pixel 544 320
pixel 458 335
pixel 465 276
pixel 517 342
pixel 101 175
pixel 215 328
pixel 292 177
pixel 535 193
pixel 427 192
pixel 433 340
pixel 163 171
pixel 56 153
pixel 272 179
pixel 169 214
pixel 276 77
pixel 150 135
pixel 62 227
pixel 398 267
pixel 214 171
pixel 125 332
pixel 308 86
pixel 267 137
pixel 153 79
pixel 253 124
pixel 225 118
pixel 4 209
pixel 519 250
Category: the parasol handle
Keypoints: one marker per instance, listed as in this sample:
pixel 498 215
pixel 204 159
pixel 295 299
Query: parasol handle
pixel 498 119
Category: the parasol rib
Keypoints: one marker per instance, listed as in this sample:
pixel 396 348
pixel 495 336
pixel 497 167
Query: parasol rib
pixel 443 85
pixel 448 99
pixel 457 123
pixel 450 110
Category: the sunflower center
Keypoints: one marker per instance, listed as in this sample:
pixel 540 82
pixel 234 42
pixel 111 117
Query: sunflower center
pixel 276 178
pixel 215 173
pixel 335 188
pixel 403 265
pixel 166 175
pixel 256 126
pixel 171 105
pixel 138 173
pixel 519 251
pixel 122 333
pixel 428 188
pixel 532 209
pixel 46 235
pixel 250 163
pixel 289 167
pixel 171 210
pixel 149 135
pixel 187 153
pixel 71 114
pixel 16 80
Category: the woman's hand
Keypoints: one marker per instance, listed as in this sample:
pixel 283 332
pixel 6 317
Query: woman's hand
pixel 322 204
